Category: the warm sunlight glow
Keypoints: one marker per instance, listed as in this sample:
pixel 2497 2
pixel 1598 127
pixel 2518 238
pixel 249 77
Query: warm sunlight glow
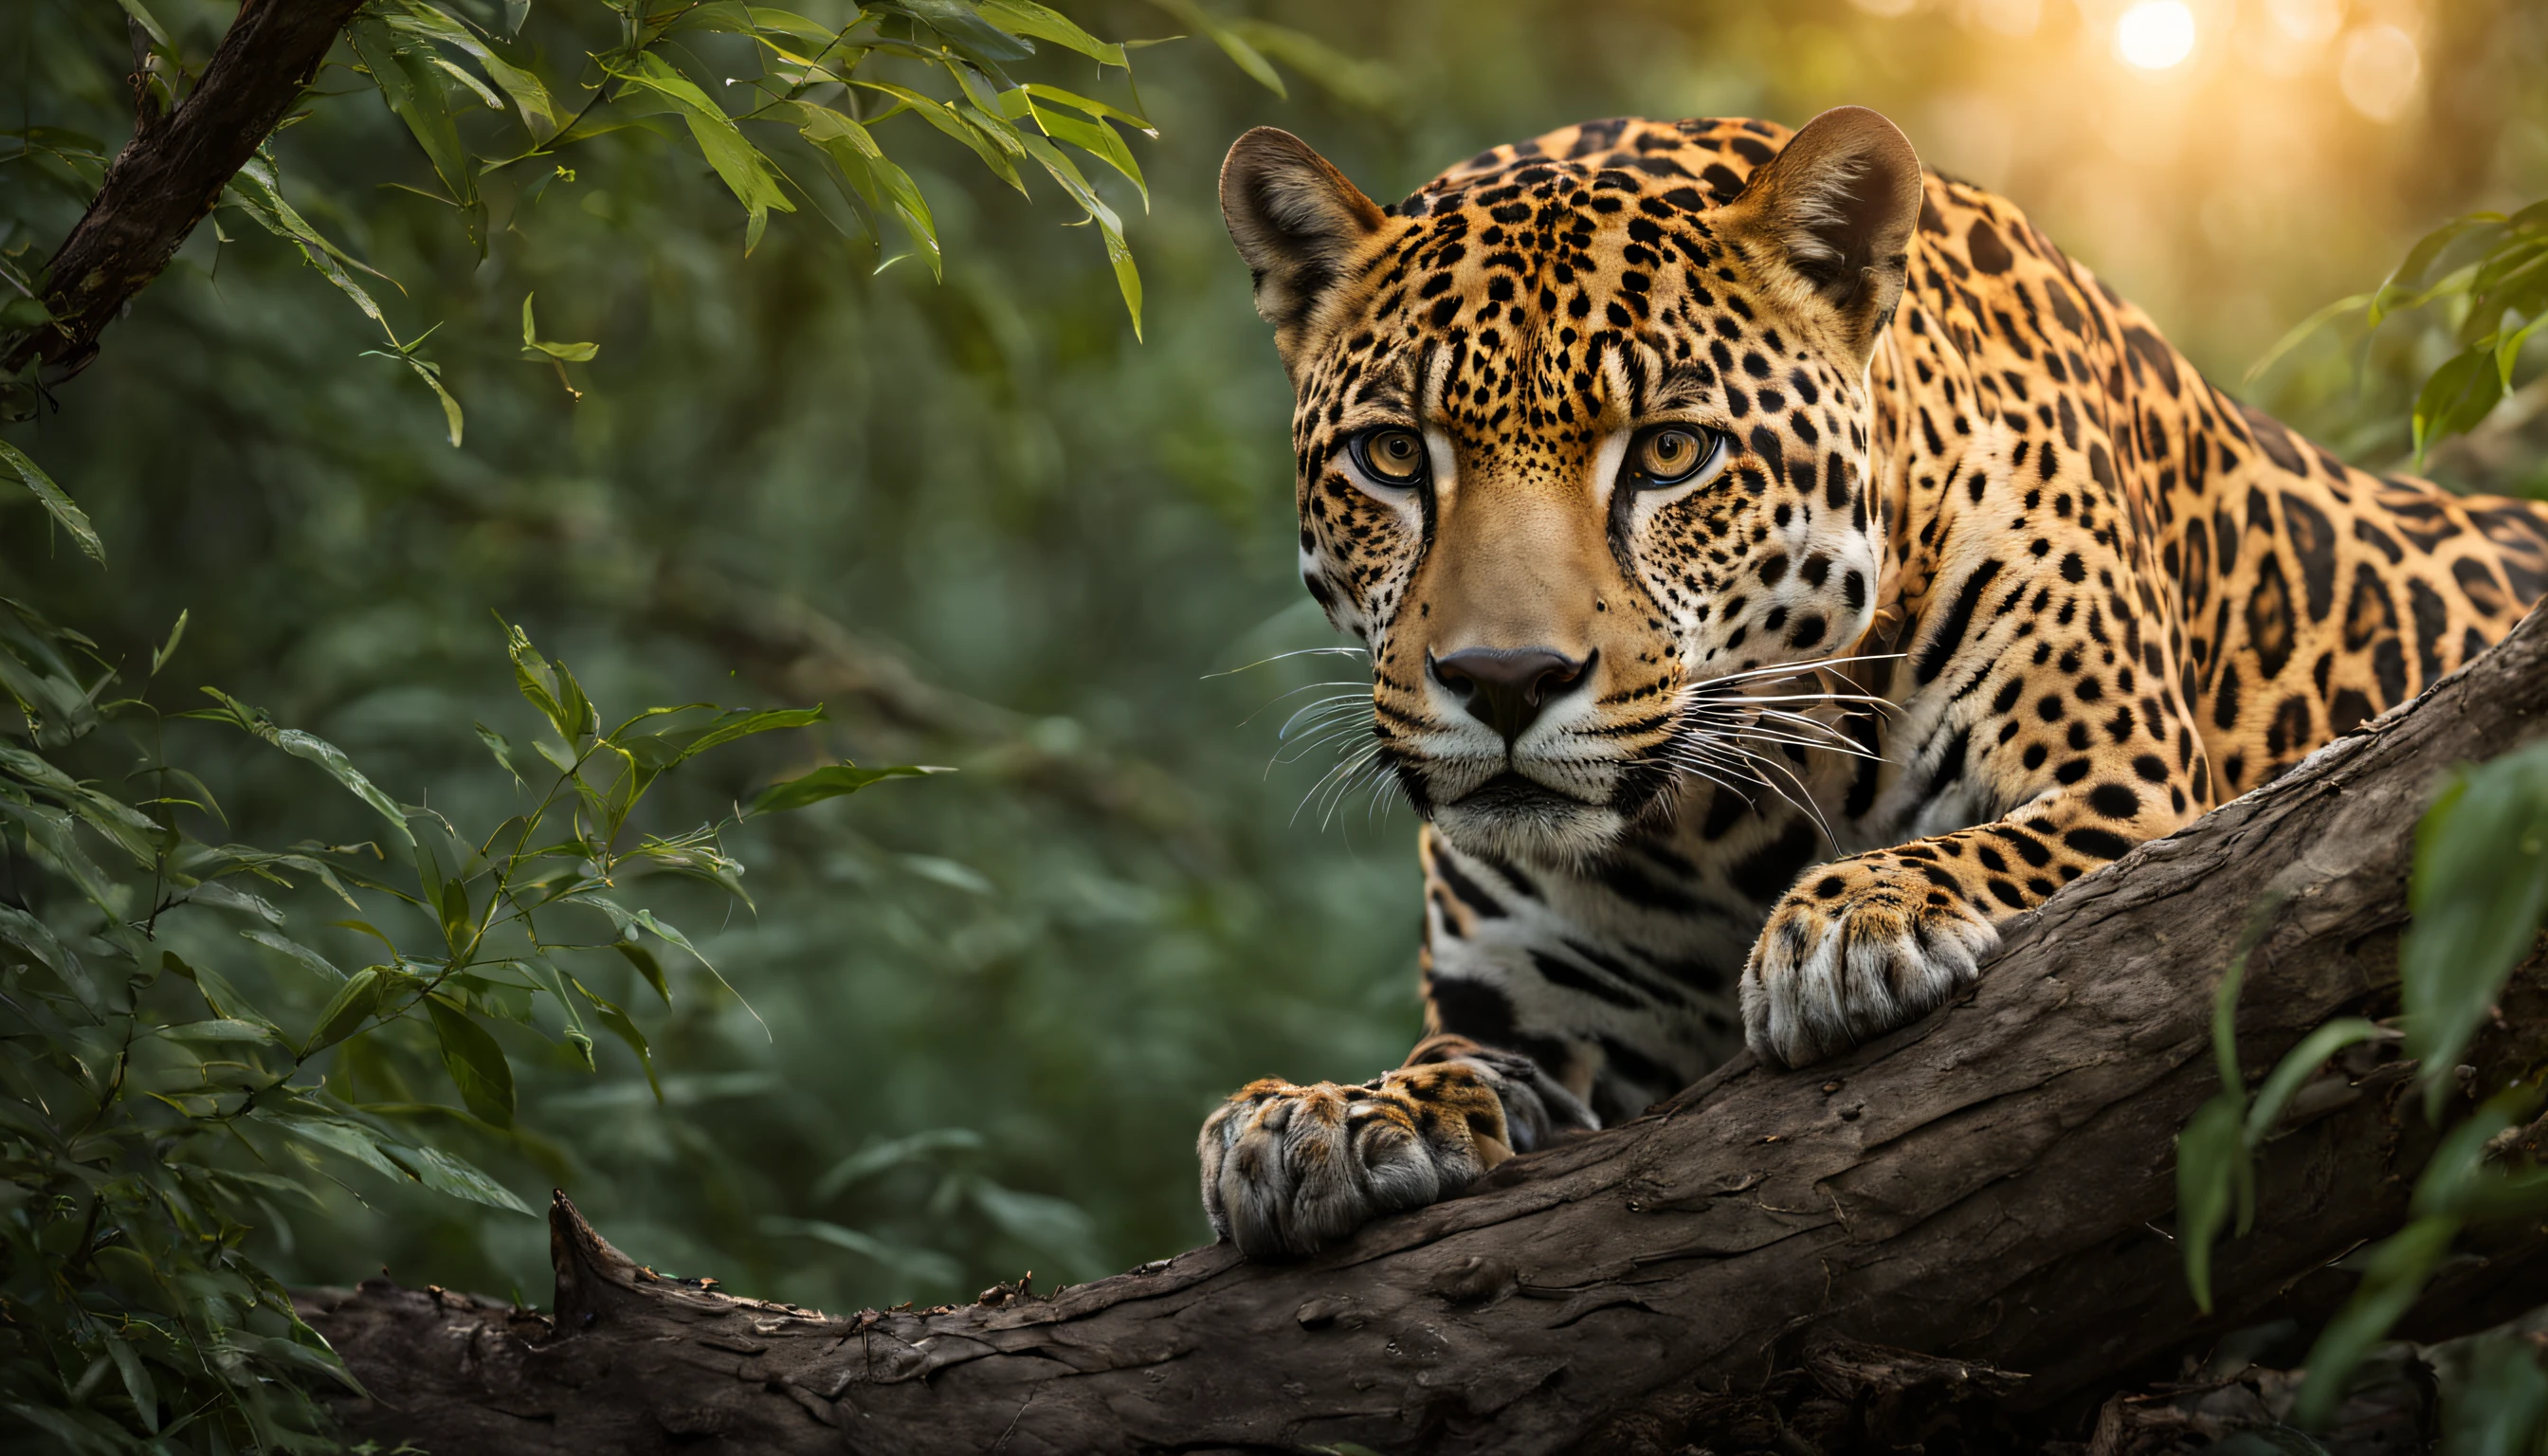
pixel 2155 34
pixel 2379 72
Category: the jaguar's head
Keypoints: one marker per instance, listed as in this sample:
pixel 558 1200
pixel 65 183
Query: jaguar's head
pixel 1582 432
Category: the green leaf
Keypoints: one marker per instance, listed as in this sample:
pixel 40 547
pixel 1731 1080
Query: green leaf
pixel 924 1265
pixel 476 1062
pixel 2211 1168
pixel 256 190
pixel 502 749
pixel 530 98
pixel 176 634
pixel 2507 350
pixel 745 170
pixel 2478 895
pixel 1242 54
pixel 219 1030
pixel 273 941
pixel 444 1173
pixel 965 32
pixel 827 782
pixel 2295 1069
pixel 1127 278
pixel 127 1365
pixel 342 768
pixel 452 908
pixel 346 1013
pixel 2401 282
pixel 618 1022
pixel 2461 393
pixel 894 1152
pixel 2300 333
pixel 1044 23
pixel 2391 1279
pixel 413 86
pixel 350 1138
pixel 880 183
pixel 64 511
pixel 538 349
pixel 647 966
pixel 2499 1405
pixel 160 35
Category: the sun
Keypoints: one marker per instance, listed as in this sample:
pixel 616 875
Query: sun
pixel 2155 35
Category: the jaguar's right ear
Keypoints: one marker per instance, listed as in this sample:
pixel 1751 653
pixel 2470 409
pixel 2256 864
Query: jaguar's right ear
pixel 1297 222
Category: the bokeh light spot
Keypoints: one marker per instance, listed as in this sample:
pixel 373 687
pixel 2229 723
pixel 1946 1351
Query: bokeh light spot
pixel 2155 34
pixel 2379 71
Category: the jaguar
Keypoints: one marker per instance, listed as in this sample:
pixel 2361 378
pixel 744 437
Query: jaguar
pixel 1779 566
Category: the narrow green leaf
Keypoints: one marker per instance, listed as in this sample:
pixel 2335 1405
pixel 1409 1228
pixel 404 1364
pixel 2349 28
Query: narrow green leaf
pixel 327 756
pixel 830 782
pixel 1044 23
pixel 646 965
pixel 2296 1068
pixel 275 940
pixel 2456 397
pixel 413 86
pixel 64 511
pixel 127 1365
pixel 445 1173
pixel 749 174
pixel 475 1062
pixel 893 1153
pixel 1242 54
pixel 176 634
pixel 618 1022
pixel 530 98
pixel 346 1013
pixel 2209 1157
pixel 2391 1279
pixel 2499 1405
pixel 219 1030
pixel 453 911
pixel 536 348
pixel 502 749
pixel 2478 895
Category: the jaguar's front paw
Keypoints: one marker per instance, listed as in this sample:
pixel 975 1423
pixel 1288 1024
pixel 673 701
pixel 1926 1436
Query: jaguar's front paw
pixel 1287 1170
pixel 1859 948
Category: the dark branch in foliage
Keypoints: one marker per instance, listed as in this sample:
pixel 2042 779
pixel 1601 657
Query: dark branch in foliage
pixel 1752 1265
pixel 172 172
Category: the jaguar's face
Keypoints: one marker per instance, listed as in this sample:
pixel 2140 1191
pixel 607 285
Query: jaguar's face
pixel 1583 458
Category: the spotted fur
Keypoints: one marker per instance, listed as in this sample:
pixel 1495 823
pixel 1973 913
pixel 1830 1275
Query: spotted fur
pixel 1986 585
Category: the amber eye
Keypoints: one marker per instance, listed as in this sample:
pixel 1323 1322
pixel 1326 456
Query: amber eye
pixel 1391 456
pixel 1669 455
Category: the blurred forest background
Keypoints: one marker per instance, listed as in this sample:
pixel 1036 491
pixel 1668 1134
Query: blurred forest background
pixel 991 528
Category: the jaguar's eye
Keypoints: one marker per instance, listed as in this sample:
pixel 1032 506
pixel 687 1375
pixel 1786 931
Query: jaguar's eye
pixel 1669 455
pixel 1391 456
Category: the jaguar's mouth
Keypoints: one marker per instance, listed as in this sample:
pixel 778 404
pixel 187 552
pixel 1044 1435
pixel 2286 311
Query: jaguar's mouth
pixel 1510 792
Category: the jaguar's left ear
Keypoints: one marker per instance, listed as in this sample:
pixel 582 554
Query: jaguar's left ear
pixel 1837 208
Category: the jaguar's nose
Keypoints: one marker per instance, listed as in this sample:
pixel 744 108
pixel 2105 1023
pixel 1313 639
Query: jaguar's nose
pixel 1506 687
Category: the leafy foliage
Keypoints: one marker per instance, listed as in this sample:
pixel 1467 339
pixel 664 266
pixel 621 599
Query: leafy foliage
pixel 2478 896
pixel 155 1108
pixel 2489 304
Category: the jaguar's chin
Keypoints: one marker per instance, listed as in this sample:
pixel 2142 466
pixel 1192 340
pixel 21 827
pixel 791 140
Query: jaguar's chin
pixel 1512 817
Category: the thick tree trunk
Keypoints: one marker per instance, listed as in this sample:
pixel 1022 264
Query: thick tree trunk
pixel 172 172
pixel 1993 1187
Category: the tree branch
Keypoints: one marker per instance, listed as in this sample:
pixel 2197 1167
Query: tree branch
pixel 172 172
pixel 1991 1187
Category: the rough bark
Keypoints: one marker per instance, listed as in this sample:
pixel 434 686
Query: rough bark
pixel 1991 1187
pixel 168 176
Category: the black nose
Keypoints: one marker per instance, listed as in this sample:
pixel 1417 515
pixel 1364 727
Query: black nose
pixel 1505 688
